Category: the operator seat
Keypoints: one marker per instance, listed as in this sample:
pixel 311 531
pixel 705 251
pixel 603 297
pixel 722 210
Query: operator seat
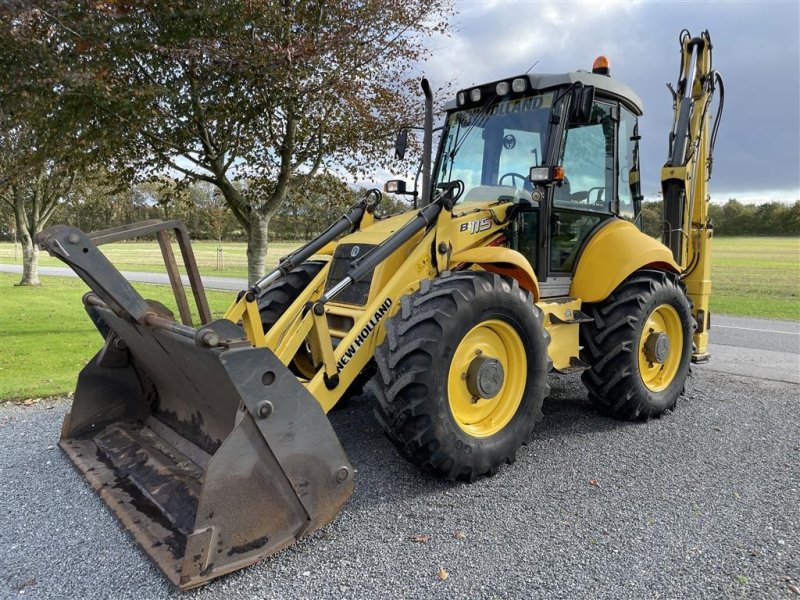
pixel 562 193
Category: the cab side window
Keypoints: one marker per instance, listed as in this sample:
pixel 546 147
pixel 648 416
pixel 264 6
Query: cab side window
pixel 587 155
pixel 628 182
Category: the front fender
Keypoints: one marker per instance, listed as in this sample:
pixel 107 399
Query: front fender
pixel 616 250
pixel 504 261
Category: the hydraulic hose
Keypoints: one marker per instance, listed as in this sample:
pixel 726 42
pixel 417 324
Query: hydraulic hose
pixel 347 221
pixel 377 255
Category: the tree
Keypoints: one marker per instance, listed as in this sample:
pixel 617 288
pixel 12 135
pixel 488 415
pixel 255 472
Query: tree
pixel 98 201
pixel 267 92
pixel 208 201
pixel 652 216
pixel 313 206
pixel 32 188
pixel 42 153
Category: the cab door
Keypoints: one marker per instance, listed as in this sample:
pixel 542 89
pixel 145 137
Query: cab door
pixel 585 199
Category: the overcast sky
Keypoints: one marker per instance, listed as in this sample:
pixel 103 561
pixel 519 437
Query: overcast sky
pixel 756 49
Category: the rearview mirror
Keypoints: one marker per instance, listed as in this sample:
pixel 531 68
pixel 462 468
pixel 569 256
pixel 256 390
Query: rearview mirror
pixel 400 144
pixel 580 106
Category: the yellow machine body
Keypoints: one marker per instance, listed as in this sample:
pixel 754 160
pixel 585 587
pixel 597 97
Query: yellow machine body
pixel 614 252
pixel 345 340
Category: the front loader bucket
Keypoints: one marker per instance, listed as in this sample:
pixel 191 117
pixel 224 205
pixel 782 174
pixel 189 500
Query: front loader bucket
pixel 209 451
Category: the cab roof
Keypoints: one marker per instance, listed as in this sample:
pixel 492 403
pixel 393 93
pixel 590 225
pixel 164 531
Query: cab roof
pixel 604 85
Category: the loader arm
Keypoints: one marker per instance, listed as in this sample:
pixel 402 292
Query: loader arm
pixel 684 178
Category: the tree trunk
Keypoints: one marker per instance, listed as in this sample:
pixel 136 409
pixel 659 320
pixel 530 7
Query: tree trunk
pixel 254 222
pixel 30 251
pixel 256 246
pixel 30 259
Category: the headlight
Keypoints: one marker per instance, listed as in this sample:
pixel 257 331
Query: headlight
pixel 519 84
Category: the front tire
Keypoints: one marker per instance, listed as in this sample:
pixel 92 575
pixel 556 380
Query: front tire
pixel 639 346
pixel 279 296
pixel 462 374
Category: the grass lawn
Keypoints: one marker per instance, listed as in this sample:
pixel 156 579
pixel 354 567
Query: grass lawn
pixel 756 276
pixel 46 337
pixel 146 256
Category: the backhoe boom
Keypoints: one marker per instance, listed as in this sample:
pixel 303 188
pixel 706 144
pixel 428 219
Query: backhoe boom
pixel 684 178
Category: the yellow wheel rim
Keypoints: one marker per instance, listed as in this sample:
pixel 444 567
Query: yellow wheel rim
pixel 659 367
pixel 303 363
pixel 483 417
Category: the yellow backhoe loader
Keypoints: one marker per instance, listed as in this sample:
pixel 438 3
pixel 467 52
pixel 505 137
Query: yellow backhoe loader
pixel 211 444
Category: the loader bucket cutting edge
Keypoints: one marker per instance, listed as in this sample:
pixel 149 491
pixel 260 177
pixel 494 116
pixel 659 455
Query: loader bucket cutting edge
pixel 213 458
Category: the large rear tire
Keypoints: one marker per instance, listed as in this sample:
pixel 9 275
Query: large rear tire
pixel 639 346
pixel 462 374
pixel 279 296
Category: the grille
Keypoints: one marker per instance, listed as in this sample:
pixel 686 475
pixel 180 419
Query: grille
pixel 357 293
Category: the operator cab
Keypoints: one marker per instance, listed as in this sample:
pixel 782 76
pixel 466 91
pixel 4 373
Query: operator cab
pixel 578 129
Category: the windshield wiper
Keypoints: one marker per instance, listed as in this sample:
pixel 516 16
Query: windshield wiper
pixel 484 113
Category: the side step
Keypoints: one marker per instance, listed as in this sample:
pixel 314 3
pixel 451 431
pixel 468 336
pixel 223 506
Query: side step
pixel 572 317
pixel 576 365
pixel 564 318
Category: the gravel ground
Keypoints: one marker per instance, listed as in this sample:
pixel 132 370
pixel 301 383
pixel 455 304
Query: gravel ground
pixel 702 503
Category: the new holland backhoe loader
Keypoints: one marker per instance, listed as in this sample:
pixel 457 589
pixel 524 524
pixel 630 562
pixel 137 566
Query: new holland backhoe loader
pixel 211 443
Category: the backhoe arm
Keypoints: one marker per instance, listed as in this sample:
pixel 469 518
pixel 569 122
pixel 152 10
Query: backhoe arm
pixel 684 178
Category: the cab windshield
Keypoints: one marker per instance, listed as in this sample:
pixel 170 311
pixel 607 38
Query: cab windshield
pixel 492 150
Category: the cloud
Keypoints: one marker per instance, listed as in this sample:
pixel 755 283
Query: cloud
pixel 756 48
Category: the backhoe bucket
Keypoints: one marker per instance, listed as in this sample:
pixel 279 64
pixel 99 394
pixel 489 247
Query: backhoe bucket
pixel 209 451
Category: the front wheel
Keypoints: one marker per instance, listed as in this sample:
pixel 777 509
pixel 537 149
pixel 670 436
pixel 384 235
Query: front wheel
pixel 639 346
pixel 462 374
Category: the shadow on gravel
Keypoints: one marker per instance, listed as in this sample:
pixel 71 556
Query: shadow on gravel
pixel 375 458
pixel 567 415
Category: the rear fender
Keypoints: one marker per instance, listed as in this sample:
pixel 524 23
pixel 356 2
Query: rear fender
pixel 616 250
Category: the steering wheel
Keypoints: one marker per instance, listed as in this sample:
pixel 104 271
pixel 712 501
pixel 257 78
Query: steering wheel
pixel 526 185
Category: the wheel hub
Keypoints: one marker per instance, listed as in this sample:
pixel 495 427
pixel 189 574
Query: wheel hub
pixel 485 377
pixel 656 347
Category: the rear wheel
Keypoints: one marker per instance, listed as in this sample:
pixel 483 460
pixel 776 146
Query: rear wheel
pixel 462 374
pixel 639 346
pixel 279 296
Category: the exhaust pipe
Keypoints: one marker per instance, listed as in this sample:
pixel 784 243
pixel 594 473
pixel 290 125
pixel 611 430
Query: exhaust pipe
pixel 427 142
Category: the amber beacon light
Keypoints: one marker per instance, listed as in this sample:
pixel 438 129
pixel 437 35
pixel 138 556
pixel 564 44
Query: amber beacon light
pixel 600 66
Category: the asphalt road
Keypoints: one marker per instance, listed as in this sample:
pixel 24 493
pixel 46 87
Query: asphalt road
pixel 209 281
pixel 702 503
pixel 761 348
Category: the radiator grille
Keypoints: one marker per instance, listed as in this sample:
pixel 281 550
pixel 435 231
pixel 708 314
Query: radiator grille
pixel 343 257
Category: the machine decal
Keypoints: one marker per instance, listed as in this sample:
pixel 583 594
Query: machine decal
pixel 362 336
pixel 476 226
